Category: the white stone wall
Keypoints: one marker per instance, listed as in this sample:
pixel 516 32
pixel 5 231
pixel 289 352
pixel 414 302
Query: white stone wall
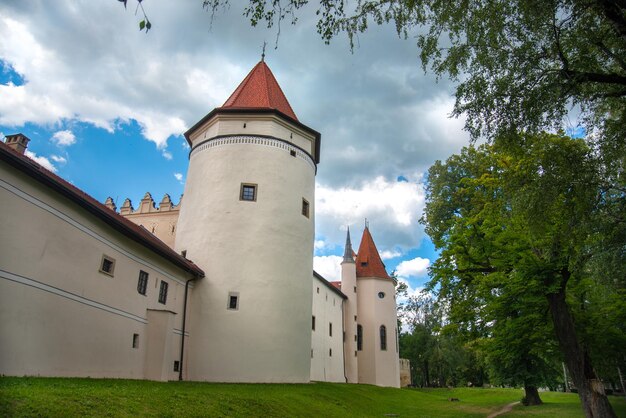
pixel 261 251
pixel 327 363
pixel 60 316
pixel 377 366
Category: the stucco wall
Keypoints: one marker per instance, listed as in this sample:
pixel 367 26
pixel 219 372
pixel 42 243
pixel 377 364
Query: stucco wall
pixel 261 250
pixel 377 366
pixel 327 350
pixel 61 316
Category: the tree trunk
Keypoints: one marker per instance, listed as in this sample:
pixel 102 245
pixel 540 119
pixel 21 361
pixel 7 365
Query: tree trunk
pixel 531 396
pixel 590 389
pixel 426 376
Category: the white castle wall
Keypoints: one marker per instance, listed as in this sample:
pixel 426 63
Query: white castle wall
pixel 261 251
pixel 61 316
pixel 327 363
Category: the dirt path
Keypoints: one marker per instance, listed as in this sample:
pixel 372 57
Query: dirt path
pixel 504 410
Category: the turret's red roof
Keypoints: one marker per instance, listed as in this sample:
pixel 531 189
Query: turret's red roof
pixel 368 261
pixel 260 90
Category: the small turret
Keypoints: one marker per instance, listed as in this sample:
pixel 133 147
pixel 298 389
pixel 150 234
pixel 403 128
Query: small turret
pixel 348 253
pixel 109 203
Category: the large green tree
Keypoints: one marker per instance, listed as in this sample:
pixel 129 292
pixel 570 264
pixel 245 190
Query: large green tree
pixel 518 224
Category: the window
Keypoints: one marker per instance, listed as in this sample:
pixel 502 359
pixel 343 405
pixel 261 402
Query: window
pixel 343 337
pixel 142 283
pixel 233 301
pixel 354 289
pixel 107 265
pixel 381 295
pixel 318 290
pixel 176 366
pixel 383 338
pixel 359 337
pixel 305 207
pixel 313 322
pixel 330 352
pixel 135 340
pixel 330 329
pixel 163 292
pixel 311 353
pixel 248 192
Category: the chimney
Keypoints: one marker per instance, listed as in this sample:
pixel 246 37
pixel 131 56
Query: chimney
pixel 19 142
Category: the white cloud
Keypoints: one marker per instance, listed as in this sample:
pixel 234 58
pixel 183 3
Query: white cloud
pixel 392 208
pixel 64 138
pixel 58 159
pixel 167 155
pixel 329 266
pixel 417 267
pixel 43 161
pixel 389 254
pixel 179 177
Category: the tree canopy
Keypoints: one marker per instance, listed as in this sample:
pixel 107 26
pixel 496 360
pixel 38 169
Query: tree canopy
pixel 521 65
pixel 518 225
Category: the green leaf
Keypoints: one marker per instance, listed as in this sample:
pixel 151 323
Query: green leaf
pixel 142 24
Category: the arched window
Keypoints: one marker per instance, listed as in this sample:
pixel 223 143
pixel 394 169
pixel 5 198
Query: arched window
pixel 383 337
pixel 359 337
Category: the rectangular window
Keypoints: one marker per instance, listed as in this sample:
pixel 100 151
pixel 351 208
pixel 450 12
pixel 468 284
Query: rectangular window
pixel 305 207
pixel 248 192
pixel 176 366
pixel 359 337
pixel 163 292
pixel 142 283
pixel 107 265
pixel 313 322
pixel 233 301
pixel 330 352
pixel 135 340
pixel 330 329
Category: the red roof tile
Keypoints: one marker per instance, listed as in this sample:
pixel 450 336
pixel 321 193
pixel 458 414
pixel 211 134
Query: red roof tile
pixel 260 90
pixel 91 205
pixel 368 261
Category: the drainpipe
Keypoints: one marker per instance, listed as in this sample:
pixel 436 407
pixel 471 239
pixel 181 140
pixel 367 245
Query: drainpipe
pixel 182 338
pixel 343 344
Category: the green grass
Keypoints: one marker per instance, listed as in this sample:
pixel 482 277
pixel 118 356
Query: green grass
pixel 59 397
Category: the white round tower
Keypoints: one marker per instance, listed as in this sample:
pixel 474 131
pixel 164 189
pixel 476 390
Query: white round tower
pixel 248 222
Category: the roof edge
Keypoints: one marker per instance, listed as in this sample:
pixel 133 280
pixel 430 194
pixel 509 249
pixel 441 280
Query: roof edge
pixel 329 285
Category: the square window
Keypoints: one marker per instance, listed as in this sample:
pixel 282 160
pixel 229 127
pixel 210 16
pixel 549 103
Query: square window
pixel 233 301
pixel 163 292
pixel 142 283
pixel 135 340
pixel 305 207
pixel 248 192
pixel 107 265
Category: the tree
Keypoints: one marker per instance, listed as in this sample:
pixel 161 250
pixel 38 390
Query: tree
pixel 517 220
pixel 521 65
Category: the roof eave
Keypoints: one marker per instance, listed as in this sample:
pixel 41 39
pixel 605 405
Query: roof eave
pixel 251 110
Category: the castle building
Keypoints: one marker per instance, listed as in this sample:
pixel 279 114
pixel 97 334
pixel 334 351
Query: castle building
pixel 218 288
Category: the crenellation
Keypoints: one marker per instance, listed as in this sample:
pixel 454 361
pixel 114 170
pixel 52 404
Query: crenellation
pixel 127 207
pixel 109 203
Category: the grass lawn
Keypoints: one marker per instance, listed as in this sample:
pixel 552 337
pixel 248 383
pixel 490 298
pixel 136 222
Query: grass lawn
pixel 60 397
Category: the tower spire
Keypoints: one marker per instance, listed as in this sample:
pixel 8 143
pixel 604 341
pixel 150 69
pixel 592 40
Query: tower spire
pixel 347 255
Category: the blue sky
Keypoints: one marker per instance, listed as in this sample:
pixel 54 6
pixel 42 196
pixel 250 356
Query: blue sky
pixel 105 106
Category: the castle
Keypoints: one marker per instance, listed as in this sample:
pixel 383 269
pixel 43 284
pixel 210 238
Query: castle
pixel 217 288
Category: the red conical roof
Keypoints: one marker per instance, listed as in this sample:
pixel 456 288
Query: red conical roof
pixel 368 261
pixel 260 90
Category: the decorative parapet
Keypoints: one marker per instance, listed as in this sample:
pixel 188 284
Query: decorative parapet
pixel 127 207
pixel 146 205
pixel 109 203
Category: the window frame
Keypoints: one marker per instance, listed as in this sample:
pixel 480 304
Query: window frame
pixel 306 208
pixel 111 270
pixel 383 337
pixel 232 295
pixel 244 186
pixel 142 282
pixel 163 289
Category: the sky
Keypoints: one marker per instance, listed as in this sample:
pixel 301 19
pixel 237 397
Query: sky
pixel 105 106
